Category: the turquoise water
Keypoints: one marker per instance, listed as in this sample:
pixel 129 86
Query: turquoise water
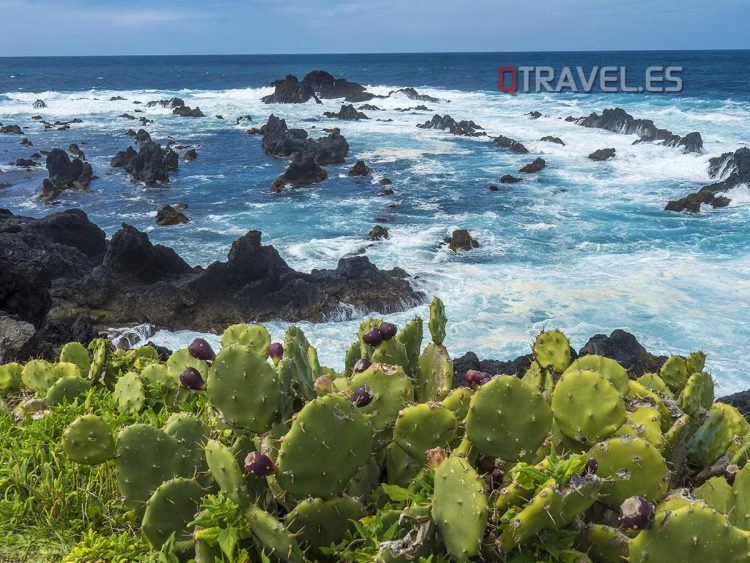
pixel 582 246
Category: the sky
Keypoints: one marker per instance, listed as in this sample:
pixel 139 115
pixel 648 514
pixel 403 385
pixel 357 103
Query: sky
pixel 109 27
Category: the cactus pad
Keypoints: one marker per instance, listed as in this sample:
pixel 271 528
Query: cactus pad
pixel 256 337
pixel 411 338
pixel 245 388
pixel 434 374
pixel 438 320
pixel 587 407
pixel 424 426
pixel 674 372
pixel 717 494
pixel 459 507
pixel 723 426
pixel 227 473
pixel 10 378
pixel 170 509
pixel 76 353
pixel 39 375
pixel 552 350
pixel 192 435
pixel 273 536
pixel 740 503
pixel 329 440
pixel 630 466
pixel 88 439
pixel 609 368
pixel 507 418
pixel 67 389
pixel 318 523
pixel 100 351
pixel 458 400
pixel 129 393
pixel 698 394
pixel 654 382
pixel 391 391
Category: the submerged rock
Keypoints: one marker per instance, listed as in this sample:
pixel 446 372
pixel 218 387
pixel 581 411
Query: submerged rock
pixel 510 179
pixel 39 104
pixel 347 113
pixel 360 169
pixel 460 239
pixel 302 171
pixel 447 123
pixel 185 111
pixel 65 174
pixel 551 139
pixel 602 154
pixel 535 166
pixel 168 216
pixel 378 232
pixel 412 94
pixel 511 144
pixel 171 103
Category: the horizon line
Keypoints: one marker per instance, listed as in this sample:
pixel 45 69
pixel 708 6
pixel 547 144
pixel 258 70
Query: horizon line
pixel 372 53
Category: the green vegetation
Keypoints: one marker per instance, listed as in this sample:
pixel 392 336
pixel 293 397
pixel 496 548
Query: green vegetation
pixel 259 453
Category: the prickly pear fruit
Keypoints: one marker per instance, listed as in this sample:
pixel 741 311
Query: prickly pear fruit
pixel 276 352
pixel 372 337
pixel 361 365
pixel 436 456
pixel 636 513
pixel 324 385
pixel 259 464
pixel 387 330
pixel 200 349
pixel 88 440
pixel 361 396
pixel 192 379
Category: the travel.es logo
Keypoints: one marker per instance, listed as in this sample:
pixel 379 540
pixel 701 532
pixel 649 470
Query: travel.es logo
pixel 607 79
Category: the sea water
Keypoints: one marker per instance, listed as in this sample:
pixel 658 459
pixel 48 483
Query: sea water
pixel 582 246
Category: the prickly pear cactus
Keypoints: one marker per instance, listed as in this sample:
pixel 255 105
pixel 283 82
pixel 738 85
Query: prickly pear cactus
pixel 245 388
pixel 739 510
pixel 552 350
pixel 698 394
pixel 329 440
pixel 273 538
pixel 434 374
pixel 227 474
pixel 507 419
pixel 644 422
pixel 459 400
pixel 614 372
pixel 146 457
pixel 76 353
pixel 604 544
pixel 674 372
pixel 256 337
pixel 718 494
pixel 129 393
pixel 540 514
pixel 319 523
pixel 401 467
pixel 391 391
pixel 424 426
pixel 10 378
pixel 88 440
pixel 67 389
pixel 587 408
pixel 100 352
pixel 391 352
pixel 459 507
pixel 723 427
pixel 353 354
pixel 180 360
pixel 160 387
pixel 170 509
pixel 696 361
pixel 192 435
pixel 654 382
pixel 691 533
pixel 411 338
pixel 296 372
pixel 630 466
pixel 438 320
pixel 39 375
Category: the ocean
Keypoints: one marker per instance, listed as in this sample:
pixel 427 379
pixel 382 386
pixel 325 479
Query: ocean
pixel 582 246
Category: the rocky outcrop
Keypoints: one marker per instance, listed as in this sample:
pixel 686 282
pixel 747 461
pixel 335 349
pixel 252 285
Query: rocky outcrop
pixel 378 232
pixel 280 141
pixel 326 87
pixel 534 114
pixel 360 169
pixel 60 277
pixel 412 94
pixel 168 216
pixel 731 169
pixel 38 104
pixel 511 144
pixel 11 129
pixel 447 123
pixel 510 179
pixel 618 120
pixel 302 171
pixel 602 154
pixel 551 139
pixel 151 164
pixel 171 103
pixel 535 166
pixel 289 90
pixel 347 113
pixel 190 155
pixel 461 240
pixel 186 111
pixel 64 174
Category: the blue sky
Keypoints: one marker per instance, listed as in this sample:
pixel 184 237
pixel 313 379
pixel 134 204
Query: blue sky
pixel 108 27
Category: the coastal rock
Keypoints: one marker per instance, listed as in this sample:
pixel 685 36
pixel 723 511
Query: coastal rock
pixel 38 104
pixel 511 144
pixel 171 103
pixel 243 119
pixel 447 123
pixel 116 99
pixel 360 169
pixel 510 179
pixel 461 240
pixel 618 120
pixel 185 111
pixel 740 401
pixel 168 216
pixel 325 86
pixel 26 143
pixel 368 107
pixel 378 232
pixel 534 114
pixel 11 129
pixel 76 151
pixel 280 141
pixel 412 94
pixel 347 113
pixel 190 154
pixel 535 166
pixel 127 116
pixel 65 174
pixel 624 348
pixel 331 149
pixel 602 154
pixel 150 165
pixel 289 90
pixel 302 171
pixel 15 335
pixel 26 163
pixel 470 360
pixel 551 139
pixel 732 170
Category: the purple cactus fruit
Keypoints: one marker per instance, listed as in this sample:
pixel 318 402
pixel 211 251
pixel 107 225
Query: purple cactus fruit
pixel 259 464
pixel 436 456
pixel 387 330
pixel 323 385
pixel 473 378
pixel 591 467
pixel 192 379
pixel 494 479
pixel 362 396
pixel 636 513
pixel 361 365
pixel 372 337
pixel 201 350
pixel 486 378
pixel 275 352
pixel 730 472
